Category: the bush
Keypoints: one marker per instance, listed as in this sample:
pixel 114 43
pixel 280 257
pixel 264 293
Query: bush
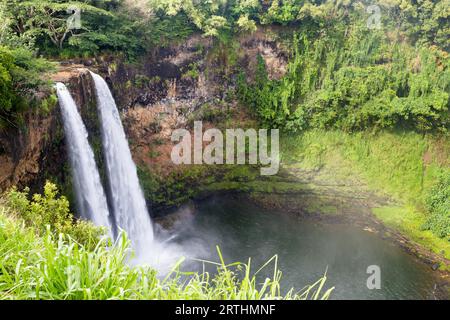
pixel 50 212
pixel 438 206
pixel 22 76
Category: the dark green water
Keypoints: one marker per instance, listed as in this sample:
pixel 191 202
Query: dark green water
pixel 306 249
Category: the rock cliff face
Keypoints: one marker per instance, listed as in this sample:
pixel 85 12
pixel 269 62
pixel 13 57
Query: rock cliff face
pixel 193 72
pixel 23 150
pixel 176 85
pixel 36 151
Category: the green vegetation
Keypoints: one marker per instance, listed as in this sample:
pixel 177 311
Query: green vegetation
pixel 135 27
pixel 168 190
pixel 52 265
pixel 67 29
pixel 48 212
pixel 424 22
pixel 352 80
pixel 21 79
pixel 411 168
pixel 438 205
pixel 94 26
pixel 409 222
pixel 340 75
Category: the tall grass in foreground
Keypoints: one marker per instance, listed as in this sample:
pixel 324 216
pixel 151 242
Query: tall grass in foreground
pixel 57 267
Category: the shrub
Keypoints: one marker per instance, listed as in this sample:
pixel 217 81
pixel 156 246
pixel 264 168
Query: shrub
pixel 22 76
pixel 438 206
pixel 50 211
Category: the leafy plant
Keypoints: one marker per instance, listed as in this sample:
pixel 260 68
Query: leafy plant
pixel 438 206
pixel 50 212
pixel 22 76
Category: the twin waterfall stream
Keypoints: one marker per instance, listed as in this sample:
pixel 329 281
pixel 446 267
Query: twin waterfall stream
pixel 89 192
pixel 127 208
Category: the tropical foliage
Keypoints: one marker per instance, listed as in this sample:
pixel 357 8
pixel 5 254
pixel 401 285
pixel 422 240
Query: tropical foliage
pixel 352 80
pixel 424 21
pixel 50 213
pixel 438 205
pixel 85 27
pixel 341 74
pixel 21 78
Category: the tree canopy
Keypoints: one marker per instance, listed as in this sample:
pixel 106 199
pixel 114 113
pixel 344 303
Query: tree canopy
pixel 383 77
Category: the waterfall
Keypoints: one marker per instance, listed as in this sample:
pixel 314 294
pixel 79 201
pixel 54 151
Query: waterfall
pixel 89 192
pixel 127 199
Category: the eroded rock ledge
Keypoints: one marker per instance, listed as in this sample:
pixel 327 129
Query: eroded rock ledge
pixel 36 151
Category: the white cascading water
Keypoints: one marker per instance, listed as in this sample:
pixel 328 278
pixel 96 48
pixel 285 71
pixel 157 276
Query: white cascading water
pixel 90 196
pixel 127 199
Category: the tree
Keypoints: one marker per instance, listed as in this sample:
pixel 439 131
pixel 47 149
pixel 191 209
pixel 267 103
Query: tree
pixel 207 16
pixel 39 18
pixel 22 75
pixel 246 24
